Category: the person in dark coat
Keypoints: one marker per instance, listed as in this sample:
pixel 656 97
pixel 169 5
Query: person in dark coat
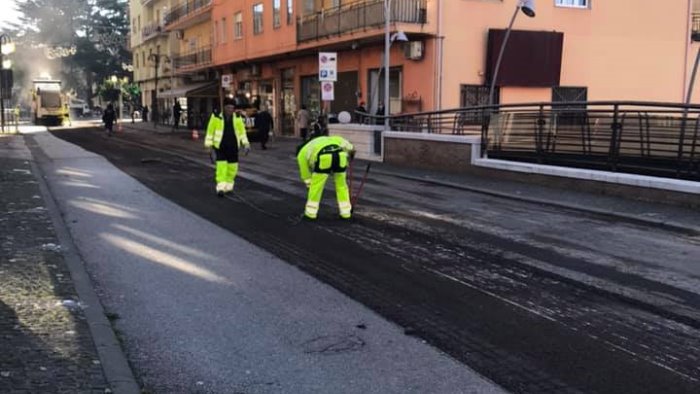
pixel 360 112
pixel 177 110
pixel 264 123
pixel 144 113
pixel 109 117
pixel 380 113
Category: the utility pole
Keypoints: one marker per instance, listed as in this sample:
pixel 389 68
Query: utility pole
pixel 156 58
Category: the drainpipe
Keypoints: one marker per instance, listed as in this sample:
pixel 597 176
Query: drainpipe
pixel 439 55
pixel 688 46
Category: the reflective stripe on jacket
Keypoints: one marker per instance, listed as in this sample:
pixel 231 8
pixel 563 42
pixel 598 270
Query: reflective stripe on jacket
pixel 306 159
pixel 215 131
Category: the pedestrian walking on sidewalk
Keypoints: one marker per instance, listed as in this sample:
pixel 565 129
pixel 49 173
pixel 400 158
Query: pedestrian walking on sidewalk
pixel 227 135
pixel 177 110
pixel 264 123
pixel 317 159
pixel 144 113
pixel 109 117
pixel 303 120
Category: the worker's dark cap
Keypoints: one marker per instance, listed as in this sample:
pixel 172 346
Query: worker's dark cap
pixel 229 101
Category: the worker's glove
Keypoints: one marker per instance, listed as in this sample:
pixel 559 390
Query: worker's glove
pixel 307 182
pixel 246 150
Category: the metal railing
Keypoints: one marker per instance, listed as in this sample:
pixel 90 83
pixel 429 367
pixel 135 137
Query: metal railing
pixel 151 30
pixel 695 32
pixel 183 10
pixel 198 58
pixel 659 139
pixel 355 16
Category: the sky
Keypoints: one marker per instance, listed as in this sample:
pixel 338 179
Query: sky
pixel 9 12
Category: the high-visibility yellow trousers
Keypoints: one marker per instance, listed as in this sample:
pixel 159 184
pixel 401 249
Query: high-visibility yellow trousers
pixel 225 175
pixel 318 181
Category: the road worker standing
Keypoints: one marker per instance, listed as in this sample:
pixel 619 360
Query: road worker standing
pixel 318 158
pixel 227 135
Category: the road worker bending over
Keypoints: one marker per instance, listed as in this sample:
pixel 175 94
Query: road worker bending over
pixel 227 135
pixel 317 159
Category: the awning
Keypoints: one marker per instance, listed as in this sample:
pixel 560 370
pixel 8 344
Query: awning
pixel 204 89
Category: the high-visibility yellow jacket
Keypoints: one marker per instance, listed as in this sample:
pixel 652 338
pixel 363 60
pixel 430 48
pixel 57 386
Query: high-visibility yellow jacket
pixel 307 156
pixel 215 131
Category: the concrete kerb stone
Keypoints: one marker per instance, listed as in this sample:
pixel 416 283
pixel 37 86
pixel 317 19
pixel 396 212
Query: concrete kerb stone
pixel 115 366
pixel 671 225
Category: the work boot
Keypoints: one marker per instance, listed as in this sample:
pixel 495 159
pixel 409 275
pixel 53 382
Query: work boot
pixel 220 193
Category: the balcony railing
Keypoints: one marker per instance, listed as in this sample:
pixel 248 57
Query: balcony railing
pixel 185 9
pixel 367 14
pixel 151 30
pixel 695 35
pixel 194 60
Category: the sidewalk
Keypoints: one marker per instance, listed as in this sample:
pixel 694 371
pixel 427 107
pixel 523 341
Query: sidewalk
pixel 51 323
pixel 668 216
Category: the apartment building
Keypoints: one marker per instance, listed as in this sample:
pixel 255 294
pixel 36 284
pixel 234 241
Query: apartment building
pixel 150 47
pixel 266 51
pixel 571 50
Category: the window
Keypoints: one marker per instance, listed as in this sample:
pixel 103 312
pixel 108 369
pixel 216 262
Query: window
pixel 572 3
pixel 309 7
pixel 276 13
pixel 216 32
pixel 223 30
pixel 475 96
pixel 257 18
pixel 133 25
pixel 238 25
pixel 290 11
pixel 570 114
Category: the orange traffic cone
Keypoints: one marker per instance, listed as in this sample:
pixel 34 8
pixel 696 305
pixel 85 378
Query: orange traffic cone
pixel 195 134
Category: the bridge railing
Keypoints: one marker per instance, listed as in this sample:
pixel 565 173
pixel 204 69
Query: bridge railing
pixel 660 139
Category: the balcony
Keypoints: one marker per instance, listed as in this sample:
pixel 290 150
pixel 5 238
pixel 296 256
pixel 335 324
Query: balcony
pixel 151 30
pixel 357 16
pixel 187 14
pixel 695 35
pixel 194 60
pixel 146 2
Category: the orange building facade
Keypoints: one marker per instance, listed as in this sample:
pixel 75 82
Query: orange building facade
pixel 266 52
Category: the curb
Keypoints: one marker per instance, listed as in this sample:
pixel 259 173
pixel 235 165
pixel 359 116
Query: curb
pixel 115 366
pixel 670 225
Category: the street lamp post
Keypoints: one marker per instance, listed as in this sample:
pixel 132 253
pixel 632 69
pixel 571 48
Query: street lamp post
pixel 388 40
pixel 528 8
pixel 156 58
pixel 4 40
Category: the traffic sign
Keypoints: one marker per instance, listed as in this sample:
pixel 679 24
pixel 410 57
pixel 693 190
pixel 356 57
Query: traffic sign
pixel 327 91
pixel 327 66
pixel 226 80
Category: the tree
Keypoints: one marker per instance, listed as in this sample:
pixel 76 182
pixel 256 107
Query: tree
pixel 78 41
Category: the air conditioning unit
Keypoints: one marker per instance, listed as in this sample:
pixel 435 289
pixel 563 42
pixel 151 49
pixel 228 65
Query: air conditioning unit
pixel 255 70
pixel 414 50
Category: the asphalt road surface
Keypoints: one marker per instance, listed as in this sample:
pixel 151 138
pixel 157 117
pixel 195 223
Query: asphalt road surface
pixel 536 298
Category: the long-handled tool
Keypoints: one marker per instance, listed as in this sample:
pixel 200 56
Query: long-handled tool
pixel 353 199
